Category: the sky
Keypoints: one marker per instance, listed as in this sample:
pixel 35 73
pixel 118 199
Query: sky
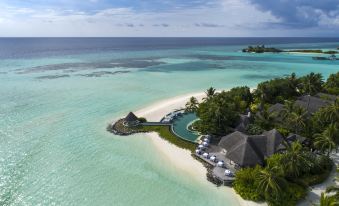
pixel 169 18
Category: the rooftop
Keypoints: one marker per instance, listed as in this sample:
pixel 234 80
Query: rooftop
pixel 249 150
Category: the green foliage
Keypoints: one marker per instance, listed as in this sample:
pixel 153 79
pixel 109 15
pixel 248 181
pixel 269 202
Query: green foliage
pixel 210 92
pixel 328 140
pixel 192 105
pixel 296 161
pixel 289 197
pixel 242 97
pixel 277 90
pixel 311 83
pixel 246 184
pixel 325 116
pixel 217 114
pixel 254 129
pixel 142 119
pixel 165 133
pixel 283 131
pixel 264 119
pixel 261 49
pixel 328 200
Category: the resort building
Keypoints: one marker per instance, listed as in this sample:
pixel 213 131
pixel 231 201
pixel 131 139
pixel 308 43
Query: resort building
pixel 310 103
pixel 131 120
pixel 249 150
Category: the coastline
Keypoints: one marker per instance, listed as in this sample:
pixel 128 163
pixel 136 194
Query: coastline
pixel 181 158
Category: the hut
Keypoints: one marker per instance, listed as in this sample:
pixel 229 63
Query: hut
pixel 131 120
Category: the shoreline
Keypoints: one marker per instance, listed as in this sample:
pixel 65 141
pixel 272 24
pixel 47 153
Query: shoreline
pixel 181 158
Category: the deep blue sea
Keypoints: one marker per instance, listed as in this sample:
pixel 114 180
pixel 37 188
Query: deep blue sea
pixel 57 96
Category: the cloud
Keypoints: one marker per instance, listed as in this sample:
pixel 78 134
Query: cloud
pixel 211 25
pixel 301 13
pixel 209 18
pixel 161 25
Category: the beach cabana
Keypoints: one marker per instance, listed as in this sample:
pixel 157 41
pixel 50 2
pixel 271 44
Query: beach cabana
pixel 205 144
pixel 220 164
pixel 213 158
pixel 131 120
pixel 205 155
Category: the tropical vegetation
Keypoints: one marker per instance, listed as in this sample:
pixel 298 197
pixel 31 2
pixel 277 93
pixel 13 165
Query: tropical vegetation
pixel 285 177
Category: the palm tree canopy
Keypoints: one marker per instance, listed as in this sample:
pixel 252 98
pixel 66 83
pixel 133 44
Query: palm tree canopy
pixel 271 180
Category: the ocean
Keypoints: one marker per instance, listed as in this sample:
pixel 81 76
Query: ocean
pixel 57 95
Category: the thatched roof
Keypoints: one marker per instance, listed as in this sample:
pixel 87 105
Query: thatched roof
pixel 274 139
pixel 296 137
pixel 131 117
pixel 310 103
pixel 249 150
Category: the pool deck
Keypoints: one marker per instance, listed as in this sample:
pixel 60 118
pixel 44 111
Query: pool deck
pixel 219 172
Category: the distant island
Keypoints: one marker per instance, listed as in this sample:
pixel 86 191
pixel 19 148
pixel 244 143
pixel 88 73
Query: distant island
pixel 270 144
pixel 261 49
pixel 264 49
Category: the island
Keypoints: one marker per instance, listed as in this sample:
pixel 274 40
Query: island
pixel 264 49
pixel 261 49
pixel 271 143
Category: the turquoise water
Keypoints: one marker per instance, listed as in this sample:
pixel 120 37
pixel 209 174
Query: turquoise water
pixel 54 149
pixel 180 127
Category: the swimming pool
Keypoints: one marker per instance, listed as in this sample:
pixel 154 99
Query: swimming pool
pixel 180 127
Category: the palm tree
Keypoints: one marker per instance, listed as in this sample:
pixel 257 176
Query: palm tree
pixel 293 81
pixel 295 160
pixel 297 119
pixel 312 83
pixel 331 112
pixel 192 105
pixel 286 110
pixel 327 140
pixel 210 92
pixel 333 189
pixel 261 92
pixel 265 119
pixel 271 180
pixel 326 200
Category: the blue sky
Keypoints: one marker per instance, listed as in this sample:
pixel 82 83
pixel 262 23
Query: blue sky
pixel 169 18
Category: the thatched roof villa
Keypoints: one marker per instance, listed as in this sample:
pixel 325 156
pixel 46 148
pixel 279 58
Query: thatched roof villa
pixel 250 150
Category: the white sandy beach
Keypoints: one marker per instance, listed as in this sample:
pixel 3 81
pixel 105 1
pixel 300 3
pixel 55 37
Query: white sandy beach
pixel 158 110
